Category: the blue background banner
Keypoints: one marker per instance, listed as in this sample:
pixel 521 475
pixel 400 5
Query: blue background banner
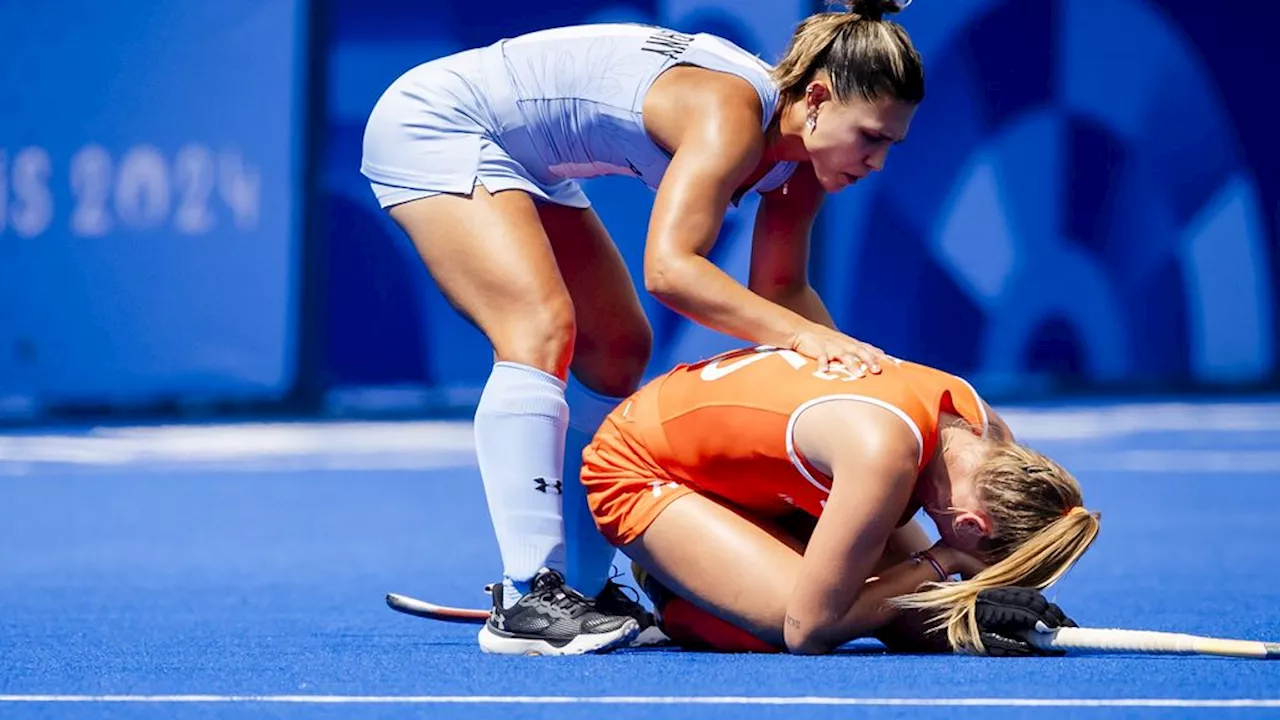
pixel 149 212
pixel 1087 200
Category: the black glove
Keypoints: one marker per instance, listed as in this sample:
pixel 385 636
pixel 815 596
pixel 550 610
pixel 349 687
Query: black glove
pixel 1007 614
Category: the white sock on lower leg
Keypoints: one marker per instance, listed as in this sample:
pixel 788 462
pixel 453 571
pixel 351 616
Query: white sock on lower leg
pixel 589 557
pixel 520 428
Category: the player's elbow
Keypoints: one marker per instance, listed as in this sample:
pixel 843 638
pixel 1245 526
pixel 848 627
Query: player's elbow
pixel 806 638
pixel 807 643
pixel 664 276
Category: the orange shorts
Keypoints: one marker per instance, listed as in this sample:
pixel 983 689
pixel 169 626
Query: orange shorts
pixel 627 487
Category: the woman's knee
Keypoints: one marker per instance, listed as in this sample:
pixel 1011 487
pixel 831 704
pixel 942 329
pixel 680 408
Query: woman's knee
pixel 541 335
pixel 614 365
pixel 638 345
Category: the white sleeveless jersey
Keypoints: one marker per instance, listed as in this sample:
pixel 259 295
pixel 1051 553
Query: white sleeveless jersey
pixel 566 103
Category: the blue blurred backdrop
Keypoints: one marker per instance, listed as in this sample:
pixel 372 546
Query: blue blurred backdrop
pixel 1089 201
pixel 150 239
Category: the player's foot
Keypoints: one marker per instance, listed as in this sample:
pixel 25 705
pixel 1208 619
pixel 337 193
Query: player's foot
pixel 552 619
pixel 614 599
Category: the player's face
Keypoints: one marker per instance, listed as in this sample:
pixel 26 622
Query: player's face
pixel 851 139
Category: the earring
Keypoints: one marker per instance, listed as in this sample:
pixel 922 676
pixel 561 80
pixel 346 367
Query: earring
pixel 812 122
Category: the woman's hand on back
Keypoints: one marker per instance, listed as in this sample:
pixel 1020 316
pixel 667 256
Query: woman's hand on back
pixel 827 346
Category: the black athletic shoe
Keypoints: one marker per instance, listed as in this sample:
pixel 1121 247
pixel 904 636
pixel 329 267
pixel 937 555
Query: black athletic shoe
pixel 616 600
pixel 552 619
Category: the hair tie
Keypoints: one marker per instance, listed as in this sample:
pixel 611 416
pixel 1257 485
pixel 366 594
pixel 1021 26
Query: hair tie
pixel 1077 510
pixel 875 9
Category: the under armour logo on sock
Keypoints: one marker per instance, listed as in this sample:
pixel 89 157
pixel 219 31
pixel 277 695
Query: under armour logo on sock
pixel 544 486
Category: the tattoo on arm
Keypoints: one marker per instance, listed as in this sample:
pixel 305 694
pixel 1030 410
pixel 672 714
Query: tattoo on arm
pixel 793 622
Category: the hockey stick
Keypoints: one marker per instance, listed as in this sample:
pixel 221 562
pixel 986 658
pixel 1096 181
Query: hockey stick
pixel 431 611
pixel 1149 642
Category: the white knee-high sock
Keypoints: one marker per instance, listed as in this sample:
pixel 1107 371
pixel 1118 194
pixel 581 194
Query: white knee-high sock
pixel 520 433
pixel 589 555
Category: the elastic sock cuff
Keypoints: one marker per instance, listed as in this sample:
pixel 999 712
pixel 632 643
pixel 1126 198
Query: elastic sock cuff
pixel 515 389
pixel 529 371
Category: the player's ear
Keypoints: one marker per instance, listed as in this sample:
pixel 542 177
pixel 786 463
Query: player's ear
pixel 815 94
pixel 973 526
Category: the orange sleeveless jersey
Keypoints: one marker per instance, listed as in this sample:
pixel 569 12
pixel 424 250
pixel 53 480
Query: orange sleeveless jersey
pixel 723 428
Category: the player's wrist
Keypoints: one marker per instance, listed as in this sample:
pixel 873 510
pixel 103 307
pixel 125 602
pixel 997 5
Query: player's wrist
pixel 955 562
pixel 939 560
pixel 791 327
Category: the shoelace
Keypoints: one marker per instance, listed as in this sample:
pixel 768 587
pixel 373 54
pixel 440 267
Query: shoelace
pixel 563 599
pixel 558 596
pixel 621 593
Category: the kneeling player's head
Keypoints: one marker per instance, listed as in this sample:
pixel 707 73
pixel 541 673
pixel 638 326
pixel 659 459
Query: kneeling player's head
pixel 1038 529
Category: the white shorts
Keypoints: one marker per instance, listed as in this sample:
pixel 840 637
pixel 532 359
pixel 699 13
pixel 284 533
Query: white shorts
pixel 443 126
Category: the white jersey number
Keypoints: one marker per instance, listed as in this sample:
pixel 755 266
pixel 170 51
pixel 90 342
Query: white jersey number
pixel 715 369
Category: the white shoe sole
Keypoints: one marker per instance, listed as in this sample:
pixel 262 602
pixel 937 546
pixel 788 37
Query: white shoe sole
pixel 651 636
pixel 493 643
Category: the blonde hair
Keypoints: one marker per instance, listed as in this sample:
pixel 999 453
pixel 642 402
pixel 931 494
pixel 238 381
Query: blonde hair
pixel 864 54
pixel 1041 530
